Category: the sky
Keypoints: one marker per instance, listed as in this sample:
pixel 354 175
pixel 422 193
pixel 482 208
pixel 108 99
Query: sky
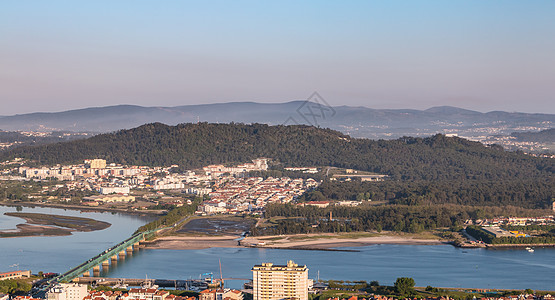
pixel 474 54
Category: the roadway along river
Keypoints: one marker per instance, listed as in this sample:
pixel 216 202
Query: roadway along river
pixel 443 266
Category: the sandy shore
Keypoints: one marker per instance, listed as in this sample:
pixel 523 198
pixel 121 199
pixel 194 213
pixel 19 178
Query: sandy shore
pixel 193 242
pixel 286 242
pixel 336 242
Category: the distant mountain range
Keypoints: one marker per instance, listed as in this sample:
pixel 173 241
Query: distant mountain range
pixel 355 121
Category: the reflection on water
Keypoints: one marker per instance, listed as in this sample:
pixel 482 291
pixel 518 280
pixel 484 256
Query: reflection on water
pixel 435 265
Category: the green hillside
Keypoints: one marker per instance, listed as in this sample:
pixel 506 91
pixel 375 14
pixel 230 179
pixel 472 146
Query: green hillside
pixel 195 145
pixel 437 169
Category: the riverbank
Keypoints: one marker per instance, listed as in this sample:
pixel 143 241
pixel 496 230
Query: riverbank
pixel 329 241
pixel 299 242
pixel 193 242
pixel 51 225
pixel 518 246
pixel 84 208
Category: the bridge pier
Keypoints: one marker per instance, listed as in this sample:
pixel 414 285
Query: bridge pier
pixel 129 250
pixel 122 255
pixel 105 265
pixel 87 274
pixel 96 271
pixel 114 260
pixel 136 246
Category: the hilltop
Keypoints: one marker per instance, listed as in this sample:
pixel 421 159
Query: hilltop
pixel 422 171
pixel 195 145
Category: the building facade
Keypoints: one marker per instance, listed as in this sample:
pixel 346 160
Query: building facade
pixel 276 282
pixel 15 275
pixel 220 294
pixel 67 291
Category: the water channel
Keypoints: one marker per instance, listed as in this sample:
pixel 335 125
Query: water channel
pixel 437 265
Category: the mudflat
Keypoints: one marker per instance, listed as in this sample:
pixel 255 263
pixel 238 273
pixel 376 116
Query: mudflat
pixel 51 225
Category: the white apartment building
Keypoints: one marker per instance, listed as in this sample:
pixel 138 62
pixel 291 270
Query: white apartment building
pixel 277 282
pixel 67 291
pixel 105 190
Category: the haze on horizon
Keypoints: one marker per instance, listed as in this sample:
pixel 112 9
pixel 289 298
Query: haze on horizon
pixel 479 55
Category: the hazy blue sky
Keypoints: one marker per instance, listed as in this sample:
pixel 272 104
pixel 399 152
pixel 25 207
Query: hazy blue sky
pixel 481 55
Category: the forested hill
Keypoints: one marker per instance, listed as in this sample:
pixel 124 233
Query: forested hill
pixel 544 136
pixel 195 145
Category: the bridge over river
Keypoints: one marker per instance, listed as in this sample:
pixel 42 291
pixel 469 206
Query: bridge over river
pixel 104 259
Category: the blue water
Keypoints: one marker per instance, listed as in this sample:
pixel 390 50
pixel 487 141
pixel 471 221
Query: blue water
pixel 60 253
pixel 437 265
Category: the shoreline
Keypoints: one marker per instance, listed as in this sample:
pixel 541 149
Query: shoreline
pixel 517 246
pixel 318 244
pixel 83 208
pixel 37 224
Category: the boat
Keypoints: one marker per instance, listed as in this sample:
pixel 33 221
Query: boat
pixel 529 249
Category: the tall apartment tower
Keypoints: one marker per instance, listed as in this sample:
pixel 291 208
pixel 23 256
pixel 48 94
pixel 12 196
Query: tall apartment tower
pixel 277 282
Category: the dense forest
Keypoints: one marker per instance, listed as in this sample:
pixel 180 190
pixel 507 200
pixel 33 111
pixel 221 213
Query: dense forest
pixel 196 145
pixel 528 193
pixel 310 219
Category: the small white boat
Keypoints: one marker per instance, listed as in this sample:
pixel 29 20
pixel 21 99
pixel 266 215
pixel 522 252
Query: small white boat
pixel 529 249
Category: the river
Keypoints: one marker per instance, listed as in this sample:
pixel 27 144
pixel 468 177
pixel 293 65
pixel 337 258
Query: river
pixel 435 265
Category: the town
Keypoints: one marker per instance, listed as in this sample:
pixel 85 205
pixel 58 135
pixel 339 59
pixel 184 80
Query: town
pixel 225 189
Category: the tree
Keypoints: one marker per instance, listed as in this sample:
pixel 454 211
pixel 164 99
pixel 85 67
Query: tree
pixel 404 286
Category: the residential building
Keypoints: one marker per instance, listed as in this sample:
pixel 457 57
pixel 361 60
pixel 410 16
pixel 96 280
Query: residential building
pixel 110 198
pixel 276 282
pixel 138 294
pixel 220 294
pixel 15 275
pixel 97 163
pixel 105 190
pixel 67 291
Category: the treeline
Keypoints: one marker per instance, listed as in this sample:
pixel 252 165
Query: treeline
pixel 196 145
pixel 172 216
pixel 527 193
pixel 14 286
pixel 278 172
pixel 19 139
pixel 480 234
pixel 402 218
pixel 532 227
pixel 544 136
